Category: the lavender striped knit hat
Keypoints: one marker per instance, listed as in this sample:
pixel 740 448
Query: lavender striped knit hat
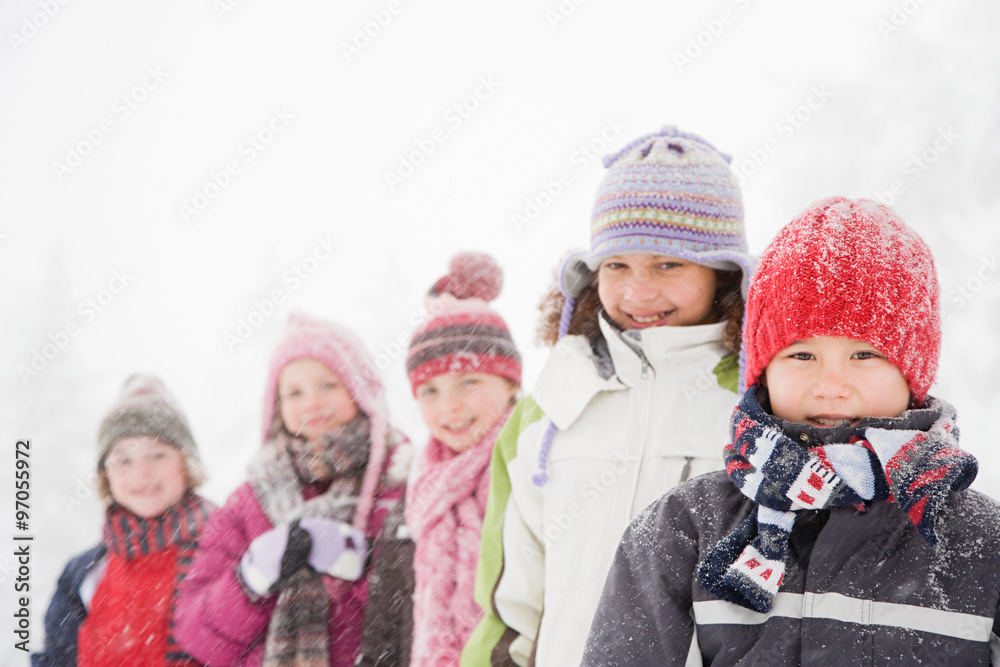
pixel 668 193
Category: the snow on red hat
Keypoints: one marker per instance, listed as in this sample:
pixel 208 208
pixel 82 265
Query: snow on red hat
pixel 463 334
pixel 848 269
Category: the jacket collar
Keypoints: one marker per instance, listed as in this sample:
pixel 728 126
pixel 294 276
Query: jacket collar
pixel 656 345
pixel 570 378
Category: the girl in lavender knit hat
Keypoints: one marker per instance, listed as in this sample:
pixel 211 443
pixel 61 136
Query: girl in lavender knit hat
pixel 305 565
pixel 646 328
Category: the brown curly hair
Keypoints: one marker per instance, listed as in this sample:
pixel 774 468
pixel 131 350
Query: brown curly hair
pixel 728 307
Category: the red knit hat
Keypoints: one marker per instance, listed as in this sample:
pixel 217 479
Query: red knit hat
pixel 851 269
pixel 463 334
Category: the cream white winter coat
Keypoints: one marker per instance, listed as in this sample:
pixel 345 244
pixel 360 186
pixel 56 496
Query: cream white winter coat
pixel 622 442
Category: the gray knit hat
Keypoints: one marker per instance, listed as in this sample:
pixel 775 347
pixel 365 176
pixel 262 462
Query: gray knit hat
pixel 147 408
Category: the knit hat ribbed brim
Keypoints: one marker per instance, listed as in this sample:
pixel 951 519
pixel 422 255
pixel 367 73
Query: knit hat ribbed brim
pixel 147 408
pixel 463 334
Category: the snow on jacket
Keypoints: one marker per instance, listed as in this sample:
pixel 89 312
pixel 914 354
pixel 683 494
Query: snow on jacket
pixel 219 622
pixel 859 588
pixel 624 438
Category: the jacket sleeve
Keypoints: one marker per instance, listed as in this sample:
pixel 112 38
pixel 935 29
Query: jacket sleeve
pixel 510 576
pixel 995 639
pixel 216 621
pixel 66 613
pixel 645 613
pixel 388 629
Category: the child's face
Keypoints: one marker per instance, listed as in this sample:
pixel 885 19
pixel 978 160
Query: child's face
pixel 313 400
pixel 641 291
pixel 459 408
pixel 826 381
pixel 145 475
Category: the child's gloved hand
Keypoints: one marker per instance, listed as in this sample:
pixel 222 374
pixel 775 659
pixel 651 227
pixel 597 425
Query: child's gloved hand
pixel 338 549
pixel 275 556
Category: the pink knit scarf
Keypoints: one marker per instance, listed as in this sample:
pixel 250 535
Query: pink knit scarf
pixel 444 511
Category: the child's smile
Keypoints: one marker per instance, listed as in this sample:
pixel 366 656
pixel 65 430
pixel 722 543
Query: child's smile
pixel 642 291
pixel 460 408
pixel 146 476
pixel 831 420
pixel 655 320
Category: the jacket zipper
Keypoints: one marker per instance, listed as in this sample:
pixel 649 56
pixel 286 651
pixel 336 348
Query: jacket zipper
pixel 643 433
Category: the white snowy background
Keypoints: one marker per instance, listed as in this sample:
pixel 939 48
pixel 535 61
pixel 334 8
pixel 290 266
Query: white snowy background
pixel 116 115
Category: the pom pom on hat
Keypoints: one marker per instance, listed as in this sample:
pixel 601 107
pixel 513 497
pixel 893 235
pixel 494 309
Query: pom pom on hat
pixel 471 275
pixel 849 269
pixel 463 334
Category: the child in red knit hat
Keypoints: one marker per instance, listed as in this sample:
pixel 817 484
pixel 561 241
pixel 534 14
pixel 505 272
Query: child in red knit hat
pixel 304 565
pixel 115 604
pixel 842 531
pixel 465 373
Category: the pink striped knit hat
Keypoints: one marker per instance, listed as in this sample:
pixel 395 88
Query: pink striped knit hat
pixel 463 334
pixel 344 354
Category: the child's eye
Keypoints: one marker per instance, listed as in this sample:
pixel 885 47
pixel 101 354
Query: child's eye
pixel 669 265
pixel 469 382
pixel 866 354
pixel 613 266
pixel 426 392
pixel 801 356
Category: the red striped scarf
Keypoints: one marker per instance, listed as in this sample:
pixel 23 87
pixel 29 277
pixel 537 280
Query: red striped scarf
pixel 129 536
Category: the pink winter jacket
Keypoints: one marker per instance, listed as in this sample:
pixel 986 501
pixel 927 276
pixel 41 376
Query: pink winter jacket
pixel 216 621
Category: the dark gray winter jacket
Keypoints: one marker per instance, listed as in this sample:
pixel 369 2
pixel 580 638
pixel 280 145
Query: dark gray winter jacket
pixel 859 589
